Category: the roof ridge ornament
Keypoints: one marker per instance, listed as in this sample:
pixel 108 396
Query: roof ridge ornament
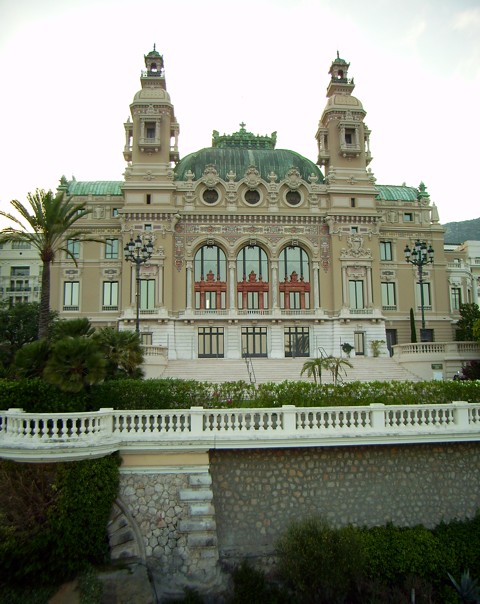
pixel 243 139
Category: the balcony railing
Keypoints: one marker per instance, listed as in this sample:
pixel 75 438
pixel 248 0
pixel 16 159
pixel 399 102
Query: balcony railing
pixel 64 436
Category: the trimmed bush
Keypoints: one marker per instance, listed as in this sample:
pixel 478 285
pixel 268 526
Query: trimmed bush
pixel 321 564
pixel 36 395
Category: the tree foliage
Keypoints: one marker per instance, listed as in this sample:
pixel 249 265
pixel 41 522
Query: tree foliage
pixel 74 364
pixel 77 357
pixel 335 365
pixel 123 352
pixel 45 224
pixel 18 326
pixel 469 315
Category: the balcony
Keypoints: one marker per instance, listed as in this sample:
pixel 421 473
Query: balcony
pixel 447 357
pixel 350 149
pixel 149 144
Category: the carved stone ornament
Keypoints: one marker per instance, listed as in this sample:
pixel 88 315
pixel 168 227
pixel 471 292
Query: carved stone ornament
pixel 331 176
pixel 293 178
pixel 210 176
pixel 252 177
pixel 355 248
pixel 99 212
pixel 231 176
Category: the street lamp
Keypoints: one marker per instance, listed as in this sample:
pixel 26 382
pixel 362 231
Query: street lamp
pixel 138 252
pixel 419 256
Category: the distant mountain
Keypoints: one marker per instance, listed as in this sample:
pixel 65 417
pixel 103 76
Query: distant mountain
pixel 458 232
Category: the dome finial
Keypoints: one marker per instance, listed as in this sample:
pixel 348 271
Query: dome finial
pixel 155 47
pixel 338 55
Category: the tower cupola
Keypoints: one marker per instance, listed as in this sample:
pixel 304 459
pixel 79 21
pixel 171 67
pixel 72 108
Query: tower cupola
pixel 339 82
pixel 154 64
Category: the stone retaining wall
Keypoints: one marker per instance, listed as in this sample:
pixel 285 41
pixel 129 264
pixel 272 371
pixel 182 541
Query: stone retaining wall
pixel 257 493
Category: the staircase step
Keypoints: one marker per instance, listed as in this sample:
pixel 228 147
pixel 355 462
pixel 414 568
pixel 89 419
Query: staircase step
pixel 365 369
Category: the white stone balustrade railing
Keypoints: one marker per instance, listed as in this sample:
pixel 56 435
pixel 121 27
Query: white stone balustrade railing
pixel 63 436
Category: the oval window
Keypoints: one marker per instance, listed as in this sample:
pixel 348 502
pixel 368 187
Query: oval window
pixel 210 196
pixel 293 198
pixel 252 196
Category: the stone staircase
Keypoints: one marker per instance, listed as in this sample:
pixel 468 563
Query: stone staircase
pixel 365 369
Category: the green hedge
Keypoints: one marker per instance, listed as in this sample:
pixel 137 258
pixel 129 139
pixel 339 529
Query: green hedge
pixel 75 500
pixel 319 563
pixel 36 395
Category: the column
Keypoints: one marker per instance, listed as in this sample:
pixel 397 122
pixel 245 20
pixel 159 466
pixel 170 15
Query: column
pixel 274 266
pixel 316 286
pixel 161 300
pixel 345 296
pixel 189 266
pixel 368 270
pixel 231 285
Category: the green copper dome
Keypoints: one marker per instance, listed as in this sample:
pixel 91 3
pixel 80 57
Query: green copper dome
pixel 279 161
pixel 235 153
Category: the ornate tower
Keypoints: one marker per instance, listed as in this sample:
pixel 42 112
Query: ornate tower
pixel 343 137
pixel 151 134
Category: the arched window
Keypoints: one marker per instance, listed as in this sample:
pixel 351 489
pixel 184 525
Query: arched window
pixel 252 278
pixel 210 274
pixel 294 276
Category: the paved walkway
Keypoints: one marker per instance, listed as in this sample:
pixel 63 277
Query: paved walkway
pixel 67 594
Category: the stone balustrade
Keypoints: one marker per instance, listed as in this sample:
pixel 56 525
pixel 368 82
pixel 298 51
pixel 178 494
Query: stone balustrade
pixel 65 436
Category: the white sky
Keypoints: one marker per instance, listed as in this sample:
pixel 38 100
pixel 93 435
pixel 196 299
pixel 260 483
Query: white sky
pixel 70 68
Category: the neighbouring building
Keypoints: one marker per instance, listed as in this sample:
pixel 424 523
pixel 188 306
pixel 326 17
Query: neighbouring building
pixel 20 272
pixel 257 250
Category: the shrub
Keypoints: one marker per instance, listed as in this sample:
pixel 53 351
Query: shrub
pixel 53 518
pixel 36 396
pixel 250 585
pixel 319 563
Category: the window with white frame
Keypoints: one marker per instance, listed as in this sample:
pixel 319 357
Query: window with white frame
pixel 147 294
pixel 356 294
pixel 111 249
pixel 73 248
pixel 386 250
pixel 71 295
pixel 456 297
pixel 427 301
pixel 110 295
pixel 389 298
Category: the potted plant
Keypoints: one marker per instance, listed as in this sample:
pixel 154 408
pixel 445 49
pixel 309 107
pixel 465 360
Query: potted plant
pixel 347 348
pixel 375 345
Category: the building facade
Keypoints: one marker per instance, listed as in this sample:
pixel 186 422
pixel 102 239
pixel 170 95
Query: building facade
pixel 256 251
pixel 20 273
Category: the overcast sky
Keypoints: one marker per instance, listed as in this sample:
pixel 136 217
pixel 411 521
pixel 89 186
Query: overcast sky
pixel 70 68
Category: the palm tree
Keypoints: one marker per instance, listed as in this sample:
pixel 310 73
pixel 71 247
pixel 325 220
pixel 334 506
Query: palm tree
pixel 74 364
pixel 122 350
pixel 336 365
pixel 314 367
pixel 46 226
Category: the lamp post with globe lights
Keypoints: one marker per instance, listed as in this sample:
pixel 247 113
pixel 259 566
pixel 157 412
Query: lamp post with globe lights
pixel 138 252
pixel 419 256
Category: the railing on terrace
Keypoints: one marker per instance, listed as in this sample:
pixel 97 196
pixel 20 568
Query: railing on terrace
pixel 460 348
pixel 62 436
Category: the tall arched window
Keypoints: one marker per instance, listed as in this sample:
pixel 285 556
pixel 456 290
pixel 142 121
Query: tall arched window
pixel 252 278
pixel 210 275
pixel 294 277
